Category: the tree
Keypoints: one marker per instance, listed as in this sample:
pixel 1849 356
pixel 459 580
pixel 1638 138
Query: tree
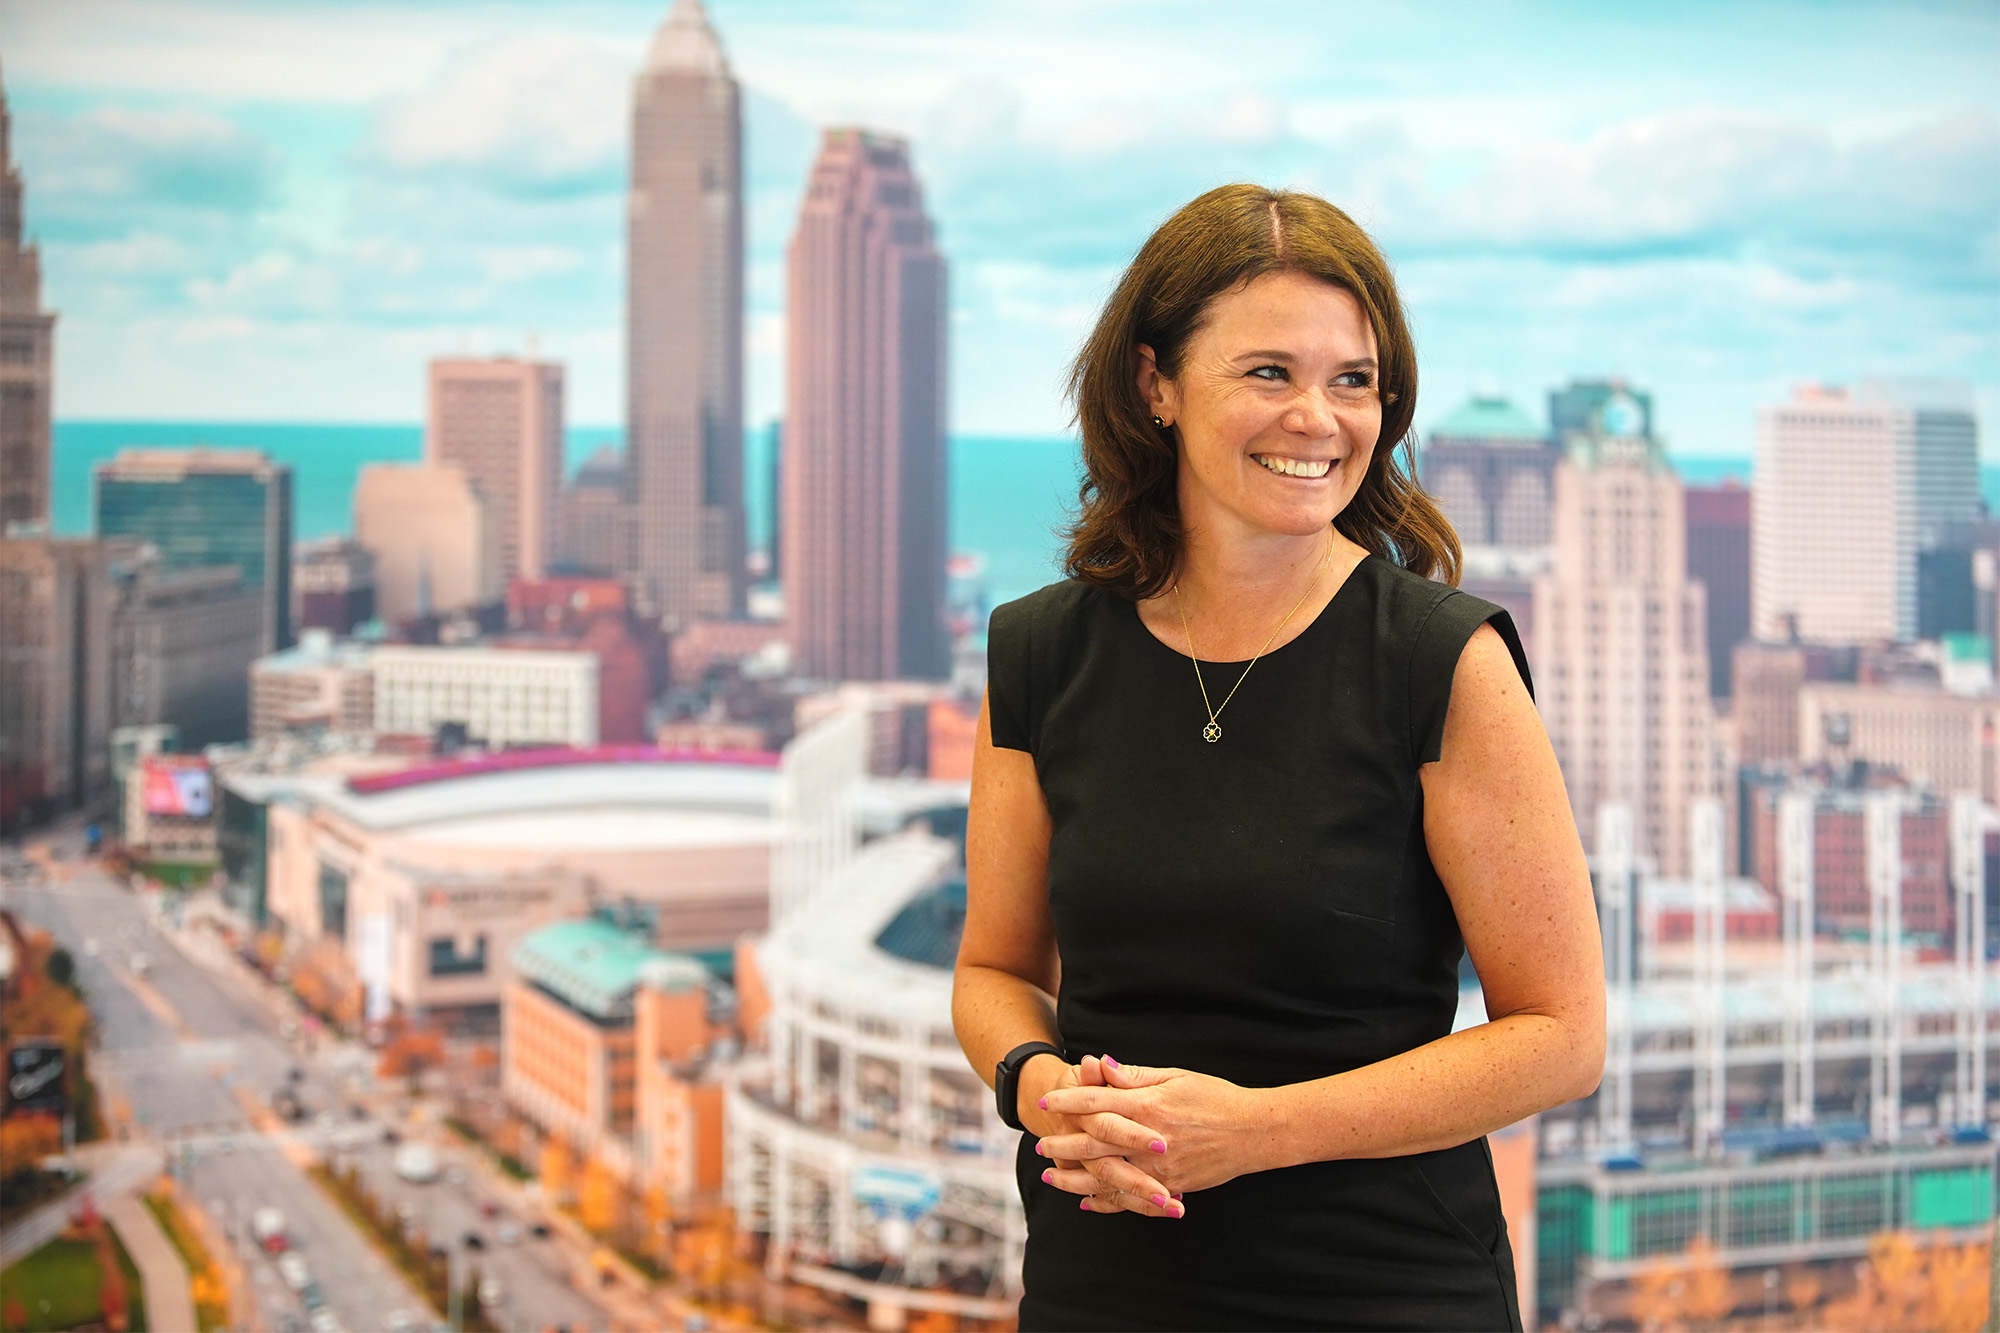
pixel 1691 1289
pixel 25 1140
pixel 1802 1291
pixel 1709 1299
pixel 556 1168
pixel 597 1197
pixel 1906 1285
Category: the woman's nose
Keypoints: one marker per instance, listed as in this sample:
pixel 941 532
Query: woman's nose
pixel 1312 413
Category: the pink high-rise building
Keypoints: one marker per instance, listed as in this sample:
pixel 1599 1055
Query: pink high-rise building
pixel 684 329
pixel 864 465
pixel 1621 643
pixel 500 421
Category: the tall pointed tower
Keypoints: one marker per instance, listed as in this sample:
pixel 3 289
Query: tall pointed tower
pixel 864 463
pixel 27 355
pixel 684 328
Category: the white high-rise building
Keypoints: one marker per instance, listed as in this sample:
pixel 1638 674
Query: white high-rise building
pixel 1620 641
pixel 1850 486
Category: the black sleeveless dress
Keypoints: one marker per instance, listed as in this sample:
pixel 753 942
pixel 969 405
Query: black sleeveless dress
pixel 1263 909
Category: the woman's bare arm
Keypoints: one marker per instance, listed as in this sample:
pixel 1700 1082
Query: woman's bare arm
pixel 1500 832
pixel 1003 991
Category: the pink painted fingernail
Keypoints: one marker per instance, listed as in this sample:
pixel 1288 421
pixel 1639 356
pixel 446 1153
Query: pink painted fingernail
pixel 1084 1204
pixel 1049 1176
pixel 1043 1103
pixel 1040 1149
pixel 1159 1201
pixel 1177 1211
pixel 1157 1146
pixel 1113 1063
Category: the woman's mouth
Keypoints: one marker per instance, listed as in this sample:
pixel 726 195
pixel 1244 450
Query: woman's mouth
pixel 1308 468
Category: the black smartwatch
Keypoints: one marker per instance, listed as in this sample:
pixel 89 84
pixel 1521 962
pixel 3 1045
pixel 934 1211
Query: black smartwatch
pixel 1007 1079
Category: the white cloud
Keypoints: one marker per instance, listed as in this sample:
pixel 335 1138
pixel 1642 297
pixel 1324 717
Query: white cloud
pixel 533 115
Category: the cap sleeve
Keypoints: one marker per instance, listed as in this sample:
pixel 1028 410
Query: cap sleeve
pixel 1007 675
pixel 1440 642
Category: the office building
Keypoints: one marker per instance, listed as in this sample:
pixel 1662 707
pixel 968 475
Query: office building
pixel 182 644
pixel 1718 558
pixel 426 526
pixel 27 355
pixel 1620 647
pixel 199 508
pixel 599 1031
pixel 684 328
pixel 322 684
pixel 57 710
pixel 500 421
pixel 591 516
pixel 502 697
pixel 864 501
pixel 333 582
pixel 1491 468
pixel 1851 486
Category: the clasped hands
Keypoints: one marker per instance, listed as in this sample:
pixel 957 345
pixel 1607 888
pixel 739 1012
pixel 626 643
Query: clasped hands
pixel 1131 1139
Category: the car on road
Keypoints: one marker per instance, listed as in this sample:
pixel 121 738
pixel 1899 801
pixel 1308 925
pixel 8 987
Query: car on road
pixel 491 1293
pixel 292 1268
pixel 540 1231
pixel 312 1297
pixel 417 1163
pixel 91 946
pixel 508 1233
pixel 488 1208
pixel 139 965
pixel 474 1241
pixel 322 1321
pixel 267 1225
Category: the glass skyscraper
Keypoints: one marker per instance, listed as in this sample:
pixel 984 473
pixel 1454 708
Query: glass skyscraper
pixel 207 507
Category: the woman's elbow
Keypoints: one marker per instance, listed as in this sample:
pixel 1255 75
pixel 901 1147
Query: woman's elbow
pixel 1585 1065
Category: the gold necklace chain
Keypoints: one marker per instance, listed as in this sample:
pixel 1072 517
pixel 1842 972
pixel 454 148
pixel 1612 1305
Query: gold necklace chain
pixel 1213 731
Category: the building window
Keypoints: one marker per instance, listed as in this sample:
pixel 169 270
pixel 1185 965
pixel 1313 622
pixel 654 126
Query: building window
pixel 332 901
pixel 448 960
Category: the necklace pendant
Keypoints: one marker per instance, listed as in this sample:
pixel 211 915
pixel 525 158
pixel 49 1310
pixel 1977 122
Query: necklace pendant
pixel 1212 732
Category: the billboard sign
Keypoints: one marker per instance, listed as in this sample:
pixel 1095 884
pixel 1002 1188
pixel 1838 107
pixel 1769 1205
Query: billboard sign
pixel 177 785
pixel 35 1077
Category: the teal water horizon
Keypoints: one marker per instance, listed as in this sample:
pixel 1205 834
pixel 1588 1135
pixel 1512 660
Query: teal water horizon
pixel 1009 497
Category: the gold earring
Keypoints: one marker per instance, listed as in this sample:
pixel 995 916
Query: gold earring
pixel 1159 424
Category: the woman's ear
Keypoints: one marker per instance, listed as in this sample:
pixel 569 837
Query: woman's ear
pixel 1156 390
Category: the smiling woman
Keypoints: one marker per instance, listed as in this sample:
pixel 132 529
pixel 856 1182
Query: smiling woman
pixel 1213 973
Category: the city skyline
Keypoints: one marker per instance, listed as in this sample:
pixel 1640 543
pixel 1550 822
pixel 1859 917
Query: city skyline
pixel 1660 198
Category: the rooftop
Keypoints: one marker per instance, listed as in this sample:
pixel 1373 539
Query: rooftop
pixel 1484 418
pixel 685 43
pixel 594 967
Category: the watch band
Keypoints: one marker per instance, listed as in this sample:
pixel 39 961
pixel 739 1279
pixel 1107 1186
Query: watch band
pixel 1007 1079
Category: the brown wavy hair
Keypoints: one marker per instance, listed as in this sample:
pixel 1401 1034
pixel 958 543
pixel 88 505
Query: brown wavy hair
pixel 1127 536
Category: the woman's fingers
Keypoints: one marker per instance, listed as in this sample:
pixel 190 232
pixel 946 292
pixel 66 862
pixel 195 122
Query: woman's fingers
pixel 1083 1145
pixel 1134 1193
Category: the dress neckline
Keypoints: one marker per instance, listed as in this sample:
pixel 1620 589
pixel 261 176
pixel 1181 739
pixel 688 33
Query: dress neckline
pixel 1138 623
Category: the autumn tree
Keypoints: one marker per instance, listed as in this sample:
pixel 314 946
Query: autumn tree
pixel 25 1140
pixel 1907 1285
pixel 597 1197
pixel 557 1166
pixel 1690 1290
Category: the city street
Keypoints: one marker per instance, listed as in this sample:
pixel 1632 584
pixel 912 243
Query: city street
pixel 179 1043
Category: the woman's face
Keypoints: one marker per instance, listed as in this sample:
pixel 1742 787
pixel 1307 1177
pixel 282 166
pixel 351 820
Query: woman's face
pixel 1277 405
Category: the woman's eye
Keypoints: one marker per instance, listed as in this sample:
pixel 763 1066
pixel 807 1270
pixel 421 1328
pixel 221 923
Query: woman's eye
pixel 1355 379
pixel 1274 373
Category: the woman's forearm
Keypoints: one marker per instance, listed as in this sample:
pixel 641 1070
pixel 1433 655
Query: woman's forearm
pixel 993 1011
pixel 1438 1095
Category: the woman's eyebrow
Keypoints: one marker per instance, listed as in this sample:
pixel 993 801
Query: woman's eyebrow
pixel 1273 354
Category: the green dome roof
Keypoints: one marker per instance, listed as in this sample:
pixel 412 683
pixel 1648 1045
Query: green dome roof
pixel 1489 419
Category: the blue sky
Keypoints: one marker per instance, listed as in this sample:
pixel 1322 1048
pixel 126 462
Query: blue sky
pixel 278 210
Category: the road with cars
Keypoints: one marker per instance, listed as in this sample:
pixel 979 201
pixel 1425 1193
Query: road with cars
pixel 196 1050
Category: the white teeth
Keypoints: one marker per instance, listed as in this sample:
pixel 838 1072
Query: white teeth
pixel 1296 467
